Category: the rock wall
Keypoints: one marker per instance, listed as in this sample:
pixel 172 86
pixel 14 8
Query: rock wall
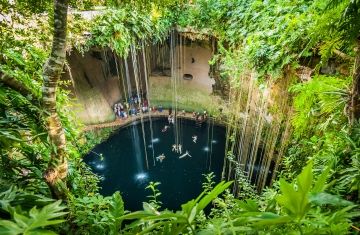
pixel 100 78
pixel 95 86
pixel 194 57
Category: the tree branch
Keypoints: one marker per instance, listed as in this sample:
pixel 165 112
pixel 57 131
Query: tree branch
pixel 343 56
pixel 17 86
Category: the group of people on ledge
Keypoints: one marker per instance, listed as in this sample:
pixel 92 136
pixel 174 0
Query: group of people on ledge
pixel 135 106
pixel 201 117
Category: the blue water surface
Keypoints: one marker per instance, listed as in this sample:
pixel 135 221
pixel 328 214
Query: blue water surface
pixel 121 161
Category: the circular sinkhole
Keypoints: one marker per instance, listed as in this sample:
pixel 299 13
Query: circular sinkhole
pixel 121 161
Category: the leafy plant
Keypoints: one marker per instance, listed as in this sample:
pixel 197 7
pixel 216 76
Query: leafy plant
pixel 208 184
pixel 302 207
pixel 96 214
pixel 150 220
pixel 34 221
pixel 154 197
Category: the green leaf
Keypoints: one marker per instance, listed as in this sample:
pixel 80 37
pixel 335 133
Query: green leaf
pixel 150 209
pixel 9 228
pixel 218 189
pixel 40 232
pixel 116 210
pixel 289 198
pixel 328 199
pixel 136 215
pixel 44 217
pixel 248 205
pixel 320 184
pixel 305 178
pixel 192 214
pixel 21 220
pixel 117 206
pixel 187 207
pixel 268 218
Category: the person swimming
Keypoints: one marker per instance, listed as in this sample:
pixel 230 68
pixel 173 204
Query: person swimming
pixel 185 154
pixel 165 128
pixel 180 148
pixel 160 158
pixel 174 148
pixel 194 138
pixel 177 148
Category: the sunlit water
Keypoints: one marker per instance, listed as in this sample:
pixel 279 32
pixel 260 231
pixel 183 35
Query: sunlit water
pixel 120 161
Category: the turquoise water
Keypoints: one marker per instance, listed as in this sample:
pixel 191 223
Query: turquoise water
pixel 121 161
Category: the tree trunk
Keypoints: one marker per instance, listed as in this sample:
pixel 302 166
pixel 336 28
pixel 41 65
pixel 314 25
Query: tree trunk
pixel 355 94
pixel 57 169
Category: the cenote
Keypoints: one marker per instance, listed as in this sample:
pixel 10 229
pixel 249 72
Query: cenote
pixel 121 161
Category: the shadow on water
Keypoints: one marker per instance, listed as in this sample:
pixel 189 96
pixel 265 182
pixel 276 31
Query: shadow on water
pixel 123 166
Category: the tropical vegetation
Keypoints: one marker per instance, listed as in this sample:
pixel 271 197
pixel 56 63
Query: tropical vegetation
pixel 46 188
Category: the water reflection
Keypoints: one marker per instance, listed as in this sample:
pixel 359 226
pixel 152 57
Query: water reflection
pixel 155 140
pixel 141 179
pixel 100 166
pixel 141 176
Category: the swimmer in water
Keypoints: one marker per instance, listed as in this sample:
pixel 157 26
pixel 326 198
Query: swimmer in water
pixel 165 128
pixel 194 138
pixel 160 158
pixel 174 148
pixel 180 148
pixel 185 154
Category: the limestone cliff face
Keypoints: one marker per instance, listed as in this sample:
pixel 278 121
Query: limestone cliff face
pixel 95 86
pixel 100 78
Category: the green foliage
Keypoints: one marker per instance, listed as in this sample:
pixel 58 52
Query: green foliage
pixel 167 222
pixel 96 214
pixel 348 23
pixel 116 211
pixel 242 185
pixel 15 197
pixel 320 102
pixel 93 137
pixel 154 197
pixel 121 28
pixel 260 36
pixel 270 35
pixel 320 128
pixel 35 221
pixel 19 213
pixel 144 4
pixel 208 184
pixel 23 139
pixel 24 144
pixel 349 179
pixel 302 208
